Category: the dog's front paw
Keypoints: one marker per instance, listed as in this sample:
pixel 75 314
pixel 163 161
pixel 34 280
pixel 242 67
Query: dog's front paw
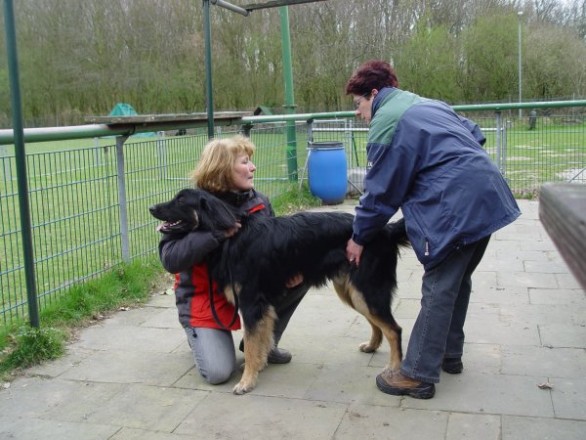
pixel 367 347
pixel 243 387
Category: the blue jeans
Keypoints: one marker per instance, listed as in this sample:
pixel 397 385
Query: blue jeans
pixel 438 332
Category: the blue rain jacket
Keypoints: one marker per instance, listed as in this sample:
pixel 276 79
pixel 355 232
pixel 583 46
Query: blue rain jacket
pixel 429 161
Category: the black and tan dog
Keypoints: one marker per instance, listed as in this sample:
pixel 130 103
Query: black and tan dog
pixel 256 263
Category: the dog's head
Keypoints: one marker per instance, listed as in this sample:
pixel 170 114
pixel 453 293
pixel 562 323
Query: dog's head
pixel 193 209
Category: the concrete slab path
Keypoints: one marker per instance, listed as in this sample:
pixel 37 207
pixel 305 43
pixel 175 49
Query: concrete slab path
pixel 132 376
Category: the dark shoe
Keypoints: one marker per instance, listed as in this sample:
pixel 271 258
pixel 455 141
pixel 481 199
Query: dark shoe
pixel 452 365
pixel 276 355
pixel 397 384
pixel 279 356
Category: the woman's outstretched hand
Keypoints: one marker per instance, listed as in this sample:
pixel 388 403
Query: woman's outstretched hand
pixel 233 230
pixel 294 281
pixel 354 252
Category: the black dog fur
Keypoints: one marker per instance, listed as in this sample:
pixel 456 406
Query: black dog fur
pixel 256 263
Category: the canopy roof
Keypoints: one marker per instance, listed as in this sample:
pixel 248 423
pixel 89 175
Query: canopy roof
pixel 276 3
pixel 247 9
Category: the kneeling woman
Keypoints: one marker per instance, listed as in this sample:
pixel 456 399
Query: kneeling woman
pixel 225 170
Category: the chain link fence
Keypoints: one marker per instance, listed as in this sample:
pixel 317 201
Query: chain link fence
pixel 89 205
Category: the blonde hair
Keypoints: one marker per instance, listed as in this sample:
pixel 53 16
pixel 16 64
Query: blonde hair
pixel 213 172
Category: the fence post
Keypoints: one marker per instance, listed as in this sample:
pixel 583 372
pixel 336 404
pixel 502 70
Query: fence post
pixel 352 140
pixel 20 159
pixel 499 139
pixel 504 145
pixel 6 162
pixel 122 202
pixel 246 129
pixel 309 123
pixel 289 93
pixel 97 151
pixel 162 154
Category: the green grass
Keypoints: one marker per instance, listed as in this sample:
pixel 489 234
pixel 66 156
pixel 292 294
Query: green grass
pixel 75 215
pixel 72 144
pixel 294 200
pixel 30 346
pixel 552 153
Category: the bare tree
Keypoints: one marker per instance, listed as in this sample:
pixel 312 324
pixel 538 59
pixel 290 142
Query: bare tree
pixel 81 58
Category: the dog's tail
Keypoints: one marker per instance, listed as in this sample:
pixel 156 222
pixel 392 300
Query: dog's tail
pixel 398 232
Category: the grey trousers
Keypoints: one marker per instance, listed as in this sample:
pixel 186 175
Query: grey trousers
pixel 213 349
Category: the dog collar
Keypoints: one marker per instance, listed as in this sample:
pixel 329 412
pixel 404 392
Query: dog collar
pixel 236 198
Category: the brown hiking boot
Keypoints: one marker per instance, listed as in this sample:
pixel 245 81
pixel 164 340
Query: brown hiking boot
pixel 397 384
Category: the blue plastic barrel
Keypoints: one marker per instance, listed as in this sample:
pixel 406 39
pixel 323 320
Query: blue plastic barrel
pixel 327 171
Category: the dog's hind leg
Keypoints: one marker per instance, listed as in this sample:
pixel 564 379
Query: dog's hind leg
pixel 258 341
pixel 376 338
pixel 392 332
pixel 387 326
pixel 349 295
pixel 381 323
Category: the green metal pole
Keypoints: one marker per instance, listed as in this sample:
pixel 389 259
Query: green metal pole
pixel 289 94
pixel 208 67
pixel 520 63
pixel 20 156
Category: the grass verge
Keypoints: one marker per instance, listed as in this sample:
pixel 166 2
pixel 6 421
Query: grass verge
pixel 294 199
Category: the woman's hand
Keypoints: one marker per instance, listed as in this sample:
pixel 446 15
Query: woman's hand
pixel 354 252
pixel 233 230
pixel 294 281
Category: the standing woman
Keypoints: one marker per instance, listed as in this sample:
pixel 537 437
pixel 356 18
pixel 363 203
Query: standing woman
pixel 428 161
pixel 225 170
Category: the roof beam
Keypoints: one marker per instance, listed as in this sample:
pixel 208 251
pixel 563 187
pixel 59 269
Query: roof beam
pixel 230 7
pixel 277 3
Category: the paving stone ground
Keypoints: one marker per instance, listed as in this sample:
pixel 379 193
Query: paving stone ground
pixel 131 377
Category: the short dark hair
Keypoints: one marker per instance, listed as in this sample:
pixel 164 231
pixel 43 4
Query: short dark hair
pixel 373 74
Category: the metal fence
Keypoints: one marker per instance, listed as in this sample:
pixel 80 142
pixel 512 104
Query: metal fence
pixel 551 150
pixel 89 205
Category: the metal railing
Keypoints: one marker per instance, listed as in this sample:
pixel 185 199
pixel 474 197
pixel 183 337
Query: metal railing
pixel 89 203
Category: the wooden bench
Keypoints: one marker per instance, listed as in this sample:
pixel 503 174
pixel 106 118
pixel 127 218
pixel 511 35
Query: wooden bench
pixel 562 211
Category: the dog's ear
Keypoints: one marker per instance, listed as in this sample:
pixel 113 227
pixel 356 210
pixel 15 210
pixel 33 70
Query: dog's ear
pixel 216 214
